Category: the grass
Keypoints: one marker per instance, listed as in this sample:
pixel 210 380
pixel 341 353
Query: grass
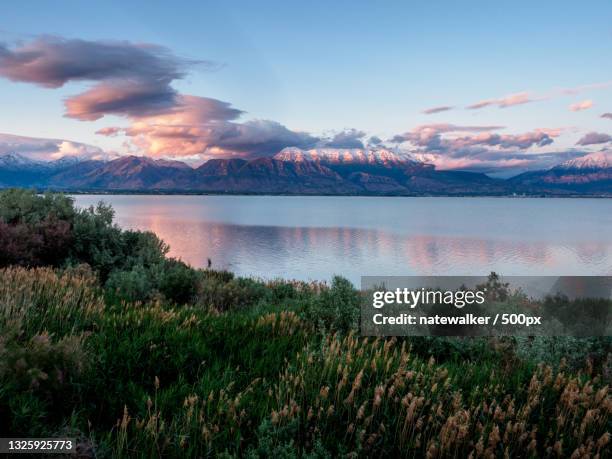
pixel 254 369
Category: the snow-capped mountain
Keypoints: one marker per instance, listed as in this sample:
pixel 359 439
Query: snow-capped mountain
pixel 597 160
pixel 591 173
pixel 65 161
pixel 15 161
pixel 379 156
pixel 295 171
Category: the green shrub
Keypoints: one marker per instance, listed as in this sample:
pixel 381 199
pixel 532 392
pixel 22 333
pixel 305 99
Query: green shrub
pixel 232 295
pixel 219 275
pixel 336 308
pixel 40 364
pixel 177 281
pixel 107 248
pixel 133 285
pixel 34 230
pixel 49 231
pixel 173 279
pixel 25 206
pixel 280 290
pixel 39 377
pixel 578 353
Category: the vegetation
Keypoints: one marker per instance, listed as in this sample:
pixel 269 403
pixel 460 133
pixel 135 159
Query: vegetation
pixel 139 355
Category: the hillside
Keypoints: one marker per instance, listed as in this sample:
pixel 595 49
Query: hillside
pixel 295 171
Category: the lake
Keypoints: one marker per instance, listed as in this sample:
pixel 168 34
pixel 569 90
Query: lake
pixel 315 237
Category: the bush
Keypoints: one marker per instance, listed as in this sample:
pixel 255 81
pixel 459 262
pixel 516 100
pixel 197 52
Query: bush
pixel 232 295
pixel 38 377
pixel 107 248
pixel 133 285
pixel 221 276
pixel 40 364
pixel 49 231
pixel 25 206
pixel 336 308
pixel 578 353
pixel 34 230
pixel 178 282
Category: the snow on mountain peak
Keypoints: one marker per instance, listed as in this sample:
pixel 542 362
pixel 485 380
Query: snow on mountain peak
pixel 342 155
pixel 597 160
pixel 15 160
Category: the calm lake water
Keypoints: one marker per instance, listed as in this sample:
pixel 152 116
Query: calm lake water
pixel 317 237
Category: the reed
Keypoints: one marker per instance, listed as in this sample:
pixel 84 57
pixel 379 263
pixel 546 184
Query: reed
pixel 159 380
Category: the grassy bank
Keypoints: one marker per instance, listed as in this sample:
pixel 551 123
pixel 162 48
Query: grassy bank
pixel 138 355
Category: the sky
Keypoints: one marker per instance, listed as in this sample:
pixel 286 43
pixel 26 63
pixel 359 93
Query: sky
pixel 477 85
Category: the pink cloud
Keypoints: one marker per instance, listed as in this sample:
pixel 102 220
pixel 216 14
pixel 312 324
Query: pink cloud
pixel 503 102
pixel 586 87
pixel 135 81
pixel 200 125
pixel 449 146
pixel 522 141
pixel 579 106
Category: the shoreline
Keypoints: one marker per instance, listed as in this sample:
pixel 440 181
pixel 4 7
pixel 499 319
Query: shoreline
pixel 197 193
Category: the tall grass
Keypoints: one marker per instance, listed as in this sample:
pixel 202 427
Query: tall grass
pixel 269 372
pixel 42 299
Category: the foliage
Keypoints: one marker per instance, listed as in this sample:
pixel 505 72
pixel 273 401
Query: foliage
pixel 34 231
pixel 152 379
pixel 143 356
pixel 177 281
pixel 49 231
pixel 336 308
pixel 231 295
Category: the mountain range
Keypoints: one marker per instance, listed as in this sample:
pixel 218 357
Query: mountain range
pixel 295 171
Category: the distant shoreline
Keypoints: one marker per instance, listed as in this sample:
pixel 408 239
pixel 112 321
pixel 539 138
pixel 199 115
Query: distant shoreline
pixel 362 195
pixel 369 195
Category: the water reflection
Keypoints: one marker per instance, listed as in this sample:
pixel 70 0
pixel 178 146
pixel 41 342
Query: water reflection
pixel 195 230
pixel 274 251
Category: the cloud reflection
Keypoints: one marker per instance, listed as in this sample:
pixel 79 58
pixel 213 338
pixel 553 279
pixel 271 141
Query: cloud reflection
pixel 319 253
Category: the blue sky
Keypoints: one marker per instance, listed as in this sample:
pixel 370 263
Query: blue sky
pixel 322 67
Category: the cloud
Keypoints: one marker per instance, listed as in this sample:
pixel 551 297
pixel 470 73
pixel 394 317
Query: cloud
pixel 507 101
pixel 607 115
pixel 129 79
pixel 208 127
pixel 109 131
pixel 432 110
pixel 349 138
pixel 257 138
pixel 584 105
pixel 430 135
pixel 523 141
pixel 54 61
pixel 594 138
pixel 205 126
pixel 478 148
pixel 586 87
pixel 374 140
pixel 450 137
pixel 135 81
pixel 47 149
pixel 501 164
pixel 121 98
pixel 525 97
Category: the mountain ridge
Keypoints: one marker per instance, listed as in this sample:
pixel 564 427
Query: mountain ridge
pixel 293 171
